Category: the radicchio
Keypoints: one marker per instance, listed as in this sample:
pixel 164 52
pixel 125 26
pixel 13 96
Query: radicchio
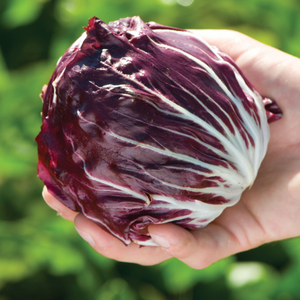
pixel 147 124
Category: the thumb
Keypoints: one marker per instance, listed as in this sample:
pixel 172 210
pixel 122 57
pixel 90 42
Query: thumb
pixel 196 248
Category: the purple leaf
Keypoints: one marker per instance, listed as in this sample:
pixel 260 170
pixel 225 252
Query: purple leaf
pixel 147 124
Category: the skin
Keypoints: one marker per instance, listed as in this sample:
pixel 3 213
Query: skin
pixel 268 211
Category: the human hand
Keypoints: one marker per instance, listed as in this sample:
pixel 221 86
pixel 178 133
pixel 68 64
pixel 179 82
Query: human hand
pixel 269 211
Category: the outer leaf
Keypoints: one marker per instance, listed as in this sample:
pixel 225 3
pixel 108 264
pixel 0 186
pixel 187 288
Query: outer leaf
pixel 143 124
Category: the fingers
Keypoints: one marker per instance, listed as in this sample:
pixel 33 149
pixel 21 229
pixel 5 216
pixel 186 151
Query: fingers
pixel 61 209
pixel 197 249
pixel 111 247
pixel 179 243
pixel 274 73
pixel 236 230
pixel 230 42
pixel 103 242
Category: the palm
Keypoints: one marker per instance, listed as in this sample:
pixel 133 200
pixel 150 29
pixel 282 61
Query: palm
pixel 270 209
pixel 270 206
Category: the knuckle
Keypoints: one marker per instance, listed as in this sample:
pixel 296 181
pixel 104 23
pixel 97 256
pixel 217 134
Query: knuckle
pixel 200 264
pixel 183 249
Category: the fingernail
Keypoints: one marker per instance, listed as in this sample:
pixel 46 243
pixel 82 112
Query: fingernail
pixel 49 203
pixel 58 213
pixel 161 241
pixel 87 237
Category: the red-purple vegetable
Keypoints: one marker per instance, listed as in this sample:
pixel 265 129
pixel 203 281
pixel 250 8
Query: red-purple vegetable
pixel 147 124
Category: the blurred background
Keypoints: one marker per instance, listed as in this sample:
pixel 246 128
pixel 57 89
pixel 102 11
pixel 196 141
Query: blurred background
pixel 41 255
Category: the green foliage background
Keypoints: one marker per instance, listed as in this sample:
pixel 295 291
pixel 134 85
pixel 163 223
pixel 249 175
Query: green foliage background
pixel 41 255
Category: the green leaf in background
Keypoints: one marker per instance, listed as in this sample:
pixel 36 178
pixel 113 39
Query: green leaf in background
pixel 252 280
pixel 20 12
pixel 41 255
pixel 116 288
pixel 181 281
